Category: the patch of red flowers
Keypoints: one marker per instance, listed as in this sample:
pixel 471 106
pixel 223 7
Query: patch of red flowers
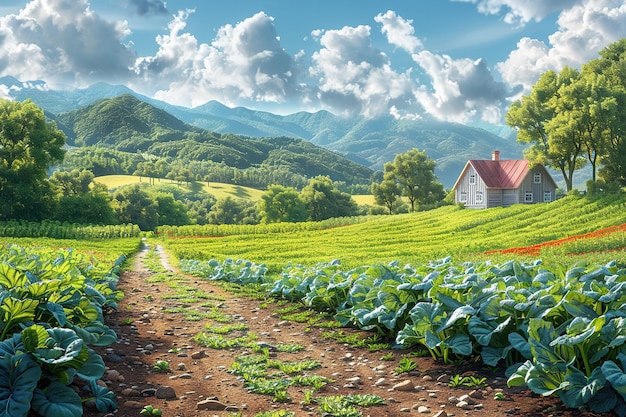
pixel 535 250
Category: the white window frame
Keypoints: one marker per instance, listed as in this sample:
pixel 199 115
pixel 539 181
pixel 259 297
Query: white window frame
pixel 479 197
pixel 463 197
pixel 472 179
pixel 547 197
pixel 528 197
pixel 537 178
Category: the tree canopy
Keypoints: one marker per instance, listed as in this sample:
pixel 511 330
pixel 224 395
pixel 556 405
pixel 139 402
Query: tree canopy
pixel 572 118
pixel 323 200
pixel 281 204
pixel 28 146
pixel 414 173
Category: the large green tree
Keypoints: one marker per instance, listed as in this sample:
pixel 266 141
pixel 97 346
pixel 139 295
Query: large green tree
pixel 134 205
pixel 281 204
pixel 81 200
pixel 324 200
pixel 612 66
pixel 28 146
pixel 229 210
pixel 171 212
pixel 414 172
pixel 387 194
pixel 547 119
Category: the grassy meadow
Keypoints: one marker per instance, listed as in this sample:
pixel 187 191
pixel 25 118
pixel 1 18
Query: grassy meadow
pixel 463 234
pixel 217 189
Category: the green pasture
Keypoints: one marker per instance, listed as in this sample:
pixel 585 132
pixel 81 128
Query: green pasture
pixel 217 189
pixel 463 234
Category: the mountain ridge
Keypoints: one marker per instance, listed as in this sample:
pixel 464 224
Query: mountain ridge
pixel 369 142
pixel 127 124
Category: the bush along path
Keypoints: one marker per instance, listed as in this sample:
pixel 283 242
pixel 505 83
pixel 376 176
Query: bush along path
pixel 194 347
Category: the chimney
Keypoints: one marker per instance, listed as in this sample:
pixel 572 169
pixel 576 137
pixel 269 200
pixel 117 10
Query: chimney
pixel 495 155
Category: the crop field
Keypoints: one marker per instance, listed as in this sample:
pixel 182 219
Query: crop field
pixel 459 284
pixel 536 288
pixel 52 304
pixel 462 234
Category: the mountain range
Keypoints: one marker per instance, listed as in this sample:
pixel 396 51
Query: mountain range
pixel 369 142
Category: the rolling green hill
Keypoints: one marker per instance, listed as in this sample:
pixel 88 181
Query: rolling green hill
pixel 463 234
pixel 126 124
pixel 217 189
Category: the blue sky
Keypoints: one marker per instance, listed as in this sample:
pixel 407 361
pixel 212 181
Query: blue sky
pixel 455 60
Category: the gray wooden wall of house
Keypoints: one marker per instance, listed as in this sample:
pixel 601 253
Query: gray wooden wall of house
pixel 537 189
pixel 472 190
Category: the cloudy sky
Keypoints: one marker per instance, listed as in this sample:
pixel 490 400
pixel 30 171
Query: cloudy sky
pixel 454 60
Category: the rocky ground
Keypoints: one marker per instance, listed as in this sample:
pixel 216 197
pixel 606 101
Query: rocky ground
pixel 163 310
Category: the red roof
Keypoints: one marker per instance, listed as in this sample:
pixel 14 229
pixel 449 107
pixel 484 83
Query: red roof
pixel 501 173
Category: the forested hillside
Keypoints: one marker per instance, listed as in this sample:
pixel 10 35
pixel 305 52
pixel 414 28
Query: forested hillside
pixel 131 131
pixel 367 142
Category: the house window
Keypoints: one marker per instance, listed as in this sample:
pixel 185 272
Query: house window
pixel 537 178
pixel 479 197
pixel 472 179
pixel 547 196
pixel 528 197
pixel 463 197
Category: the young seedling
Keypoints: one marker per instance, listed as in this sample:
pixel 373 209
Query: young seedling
pixel 406 365
pixel 149 411
pixel 162 366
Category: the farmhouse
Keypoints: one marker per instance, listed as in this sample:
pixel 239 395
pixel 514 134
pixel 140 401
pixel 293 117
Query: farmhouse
pixel 496 182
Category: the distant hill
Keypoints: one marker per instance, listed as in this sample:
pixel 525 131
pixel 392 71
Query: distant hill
pixel 128 124
pixel 367 142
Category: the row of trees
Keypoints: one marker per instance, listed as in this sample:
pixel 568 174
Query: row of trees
pixel 107 161
pixel 574 118
pixel 152 205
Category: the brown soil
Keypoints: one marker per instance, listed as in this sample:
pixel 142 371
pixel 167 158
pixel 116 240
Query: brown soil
pixel 154 333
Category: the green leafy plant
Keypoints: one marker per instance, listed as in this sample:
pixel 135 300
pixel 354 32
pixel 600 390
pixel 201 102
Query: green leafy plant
pixel 345 405
pixel 405 365
pixel 162 366
pixel 499 396
pixel 456 380
pixel 467 381
pixel 473 381
pixel 276 413
pixel 51 313
pixel 150 411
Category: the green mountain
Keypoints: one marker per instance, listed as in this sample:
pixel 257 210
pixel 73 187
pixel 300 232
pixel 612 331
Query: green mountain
pixel 366 142
pixel 126 124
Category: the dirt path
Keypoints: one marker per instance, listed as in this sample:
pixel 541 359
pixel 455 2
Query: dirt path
pixel 163 310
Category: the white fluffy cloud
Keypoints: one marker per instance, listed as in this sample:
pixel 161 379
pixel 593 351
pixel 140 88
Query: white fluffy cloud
pixel 454 90
pixel 355 77
pixel 244 62
pixel 66 43
pixel 461 89
pixel 522 11
pixel 63 42
pixel 399 32
pixel 584 29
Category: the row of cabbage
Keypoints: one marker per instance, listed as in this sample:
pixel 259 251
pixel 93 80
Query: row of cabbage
pixel 52 306
pixel 558 330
